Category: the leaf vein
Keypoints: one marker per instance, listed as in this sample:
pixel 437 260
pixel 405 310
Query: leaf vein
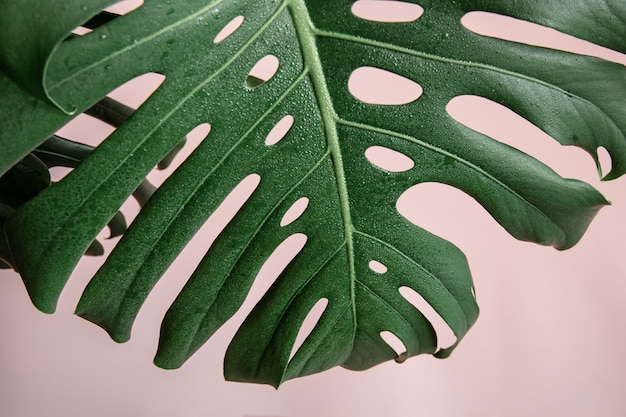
pixel 420 267
pixel 264 221
pixel 294 295
pixel 446 60
pixel 145 137
pixel 451 155
pixel 201 181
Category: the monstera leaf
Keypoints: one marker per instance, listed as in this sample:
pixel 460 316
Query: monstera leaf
pixel 358 252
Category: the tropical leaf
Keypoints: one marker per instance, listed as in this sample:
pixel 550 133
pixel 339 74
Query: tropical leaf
pixel 359 251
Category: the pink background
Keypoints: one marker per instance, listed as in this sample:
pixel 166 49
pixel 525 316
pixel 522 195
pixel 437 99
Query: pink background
pixel 549 341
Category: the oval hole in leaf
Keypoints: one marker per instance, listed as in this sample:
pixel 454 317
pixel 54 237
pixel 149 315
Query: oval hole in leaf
pixel 274 265
pixel 81 30
pixel 377 267
pixel 279 131
pixel 236 199
pixel 76 128
pixel 262 71
pixel 505 27
pixel 388 159
pixel 124 7
pixel 229 29
pixel 387 11
pixel 308 325
pixel 605 163
pixel 58 173
pixel 295 211
pixel 108 14
pixel 177 156
pixel 135 92
pixel 504 125
pixel 378 86
pixel 396 344
pixel 193 138
pixel 445 335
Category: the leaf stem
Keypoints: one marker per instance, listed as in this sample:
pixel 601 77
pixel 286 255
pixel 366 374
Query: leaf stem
pixel 307 35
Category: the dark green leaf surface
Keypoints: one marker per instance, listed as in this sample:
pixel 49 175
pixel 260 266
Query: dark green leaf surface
pixel 351 218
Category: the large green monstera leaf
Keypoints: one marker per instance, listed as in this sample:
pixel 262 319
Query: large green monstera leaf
pixel 358 252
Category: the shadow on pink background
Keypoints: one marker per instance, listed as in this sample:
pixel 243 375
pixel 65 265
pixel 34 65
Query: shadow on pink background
pixel 549 341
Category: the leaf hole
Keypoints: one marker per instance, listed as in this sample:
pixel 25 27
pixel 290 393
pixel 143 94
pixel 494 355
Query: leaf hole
pixel 395 343
pixel 181 268
pixel 388 159
pixel 200 243
pixel 76 128
pixel 508 28
pixel 229 29
pixel 81 30
pixel 294 212
pixel 124 7
pixel 308 325
pixel 107 15
pixel 504 125
pixel 387 11
pixel 262 71
pixel 275 264
pixel 236 199
pixel 59 172
pixel 378 267
pixel 279 131
pixel 605 163
pixel 179 153
pixel 135 92
pixel 229 207
pixel 445 335
pixel 378 86
pixel 444 210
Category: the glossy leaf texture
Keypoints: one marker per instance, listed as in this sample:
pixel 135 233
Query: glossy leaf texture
pixel 358 252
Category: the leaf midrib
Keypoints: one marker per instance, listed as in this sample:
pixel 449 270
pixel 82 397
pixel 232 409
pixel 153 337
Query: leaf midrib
pixel 307 37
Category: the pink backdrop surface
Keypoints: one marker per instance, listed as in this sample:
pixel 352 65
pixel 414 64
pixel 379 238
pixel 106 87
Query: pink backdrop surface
pixel 549 341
